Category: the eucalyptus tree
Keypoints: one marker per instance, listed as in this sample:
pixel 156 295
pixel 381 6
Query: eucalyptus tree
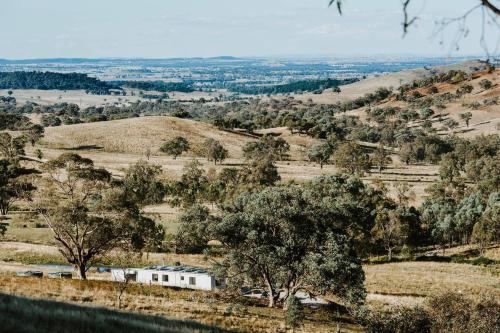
pixel 87 213
pixel 278 238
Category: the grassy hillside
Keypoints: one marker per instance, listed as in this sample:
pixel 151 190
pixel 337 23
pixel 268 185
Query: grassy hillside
pixel 136 135
pixel 24 315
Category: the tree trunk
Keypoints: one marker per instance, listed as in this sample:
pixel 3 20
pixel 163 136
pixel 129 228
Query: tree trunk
pixel 270 290
pixel 389 253
pixel 82 271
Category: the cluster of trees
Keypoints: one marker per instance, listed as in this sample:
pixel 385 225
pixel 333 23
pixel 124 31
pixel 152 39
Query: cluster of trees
pixel 289 237
pixel 160 86
pixel 50 80
pixel 293 87
pixel 213 150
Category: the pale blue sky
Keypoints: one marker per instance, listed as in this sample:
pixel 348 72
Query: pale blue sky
pixel 192 28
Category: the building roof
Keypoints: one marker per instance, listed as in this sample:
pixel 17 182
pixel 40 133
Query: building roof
pixel 179 269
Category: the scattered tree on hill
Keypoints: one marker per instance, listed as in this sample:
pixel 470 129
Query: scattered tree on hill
pixel 381 158
pixel 175 147
pixel 193 234
pixel 141 184
pixel 277 146
pixel 320 153
pixel 215 151
pixel 466 117
pixel 11 147
pixel 87 214
pixel 191 188
pixel 261 172
pixel 350 157
pixel 34 134
pixel 389 229
pixel 485 84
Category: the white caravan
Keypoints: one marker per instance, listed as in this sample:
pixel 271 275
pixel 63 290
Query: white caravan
pixel 169 276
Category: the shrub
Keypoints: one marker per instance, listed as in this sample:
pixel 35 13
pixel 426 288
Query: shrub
pixel 293 314
pixel 398 320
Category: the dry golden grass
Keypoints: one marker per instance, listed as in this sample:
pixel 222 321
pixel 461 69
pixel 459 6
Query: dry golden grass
pixel 137 135
pixel 421 279
pixel 209 308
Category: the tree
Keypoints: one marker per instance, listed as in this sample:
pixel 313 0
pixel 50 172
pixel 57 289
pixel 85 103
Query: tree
pixel 193 234
pixel 39 154
pixel 175 147
pixel 214 151
pixel 261 172
pixel 485 84
pixel 351 158
pixel 141 184
pixel 320 153
pixel 278 147
pixel 34 134
pixel 255 150
pixel 15 183
pixel 88 216
pixel 487 229
pixel 404 193
pixel 278 238
pixel 381 158
pixel 11 147
pixel 466 117
pixel 192 186
pixel 467 214
pixel 389 229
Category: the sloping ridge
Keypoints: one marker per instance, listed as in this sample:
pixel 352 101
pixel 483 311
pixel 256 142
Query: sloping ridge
pixel 137 135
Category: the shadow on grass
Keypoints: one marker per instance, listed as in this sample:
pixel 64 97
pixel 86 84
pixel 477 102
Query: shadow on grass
pixel 24 315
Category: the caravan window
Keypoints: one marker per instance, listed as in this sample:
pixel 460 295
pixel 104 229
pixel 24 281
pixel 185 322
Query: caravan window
pixel 192 280
pixel 165 278
pixel 155 277
pixel 182 278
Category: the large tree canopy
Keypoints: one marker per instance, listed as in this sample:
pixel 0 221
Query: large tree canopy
pixel 87 214
pixel 282 239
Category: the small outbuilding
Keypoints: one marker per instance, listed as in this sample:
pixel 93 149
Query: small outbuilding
pixel 169 276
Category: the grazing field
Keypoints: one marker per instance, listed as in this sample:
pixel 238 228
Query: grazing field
pixel 19 314
pixel 137 135
pixel 215 309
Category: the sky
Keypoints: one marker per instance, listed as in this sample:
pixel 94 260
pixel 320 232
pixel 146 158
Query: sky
pixel 204 28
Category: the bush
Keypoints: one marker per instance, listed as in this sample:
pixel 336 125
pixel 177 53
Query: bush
pixel 400 319
pixel 293 314
pixel 453 312
pixel 446 313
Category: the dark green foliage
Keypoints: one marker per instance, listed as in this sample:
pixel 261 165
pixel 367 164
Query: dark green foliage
pixel 193 234
pixel 293 314
pixel 281 238
pixel 485 84
pixel 160 86
pixel 175 147
pixel 191 188
pixel 450 312
pixel 214 151
pixel 299 86
pixel 320 153
pixel 49 81
pixel 399 320
pixel 141 184
pixel 23 315
pixel 13 122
